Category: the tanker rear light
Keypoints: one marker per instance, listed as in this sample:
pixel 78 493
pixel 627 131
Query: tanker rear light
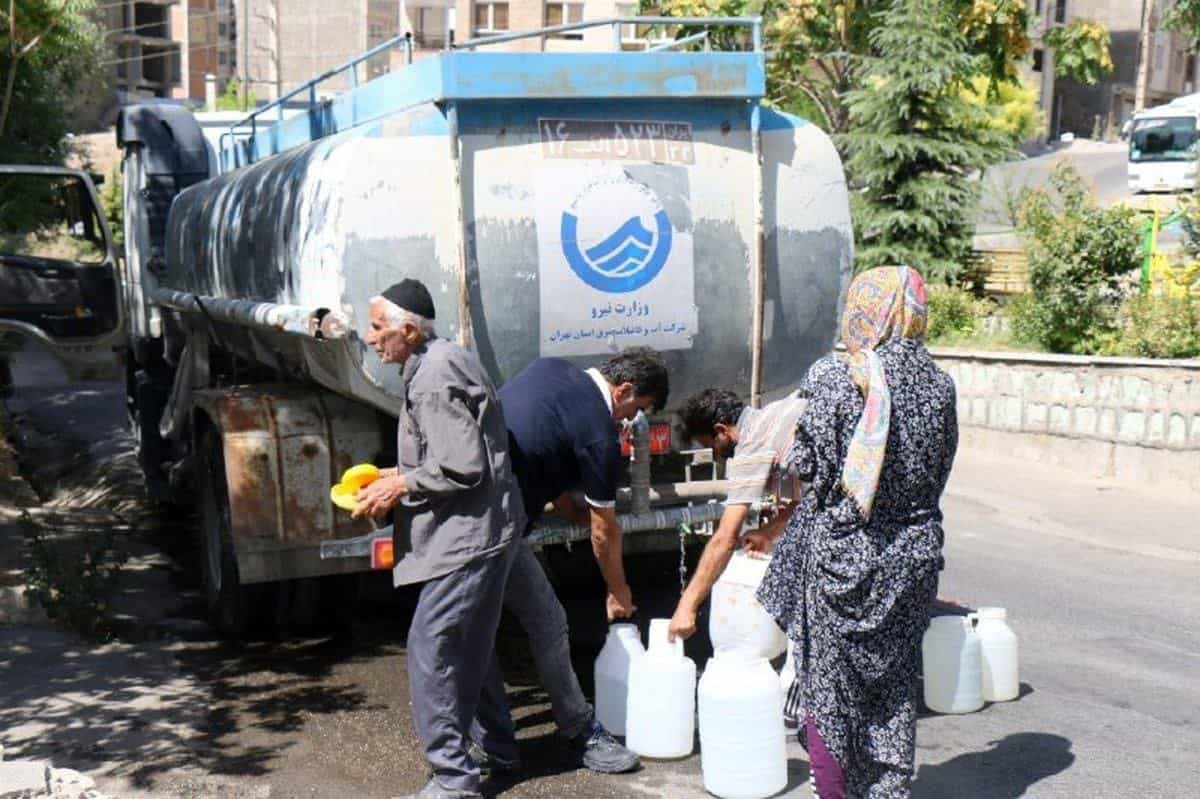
pixel 660 440
pixel 383 555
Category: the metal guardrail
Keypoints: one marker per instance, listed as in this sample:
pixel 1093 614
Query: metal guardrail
pixel 616 23
pixel 351 66
pixel 242 134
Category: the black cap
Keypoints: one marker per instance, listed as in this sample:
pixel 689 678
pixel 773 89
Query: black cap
pixel 411 295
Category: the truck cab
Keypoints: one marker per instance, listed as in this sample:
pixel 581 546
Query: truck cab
pixel 60 280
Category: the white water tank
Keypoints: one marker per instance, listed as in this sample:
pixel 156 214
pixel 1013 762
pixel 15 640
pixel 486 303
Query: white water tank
pixel 953 665
pixel 661 712
pixel 611 672
pixel 998 648
pixel 737 621
pixel 743 754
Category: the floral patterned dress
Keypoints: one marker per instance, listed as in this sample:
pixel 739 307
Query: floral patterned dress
pixel 854 595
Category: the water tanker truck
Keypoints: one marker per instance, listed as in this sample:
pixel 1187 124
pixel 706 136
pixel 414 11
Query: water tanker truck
pixel 555 204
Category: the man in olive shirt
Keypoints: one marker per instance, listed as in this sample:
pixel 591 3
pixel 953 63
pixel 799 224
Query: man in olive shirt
pixel 457 521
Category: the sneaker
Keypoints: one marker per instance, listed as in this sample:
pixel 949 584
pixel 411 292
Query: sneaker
pixel 597 750
pixel 492 766
pixel 435 790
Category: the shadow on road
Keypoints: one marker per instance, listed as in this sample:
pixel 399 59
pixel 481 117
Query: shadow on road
pixel 1005 771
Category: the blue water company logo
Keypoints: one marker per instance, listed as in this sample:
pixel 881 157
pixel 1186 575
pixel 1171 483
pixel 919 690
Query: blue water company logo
pixel 616 236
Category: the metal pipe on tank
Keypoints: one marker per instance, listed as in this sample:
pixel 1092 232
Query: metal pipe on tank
pixel 294 319
pixel 758 263
pixel 667 494
pixel 460 233
pixel 639 467
pixel 663 519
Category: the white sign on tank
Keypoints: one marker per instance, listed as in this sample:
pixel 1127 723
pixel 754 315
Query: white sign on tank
pixel 615 270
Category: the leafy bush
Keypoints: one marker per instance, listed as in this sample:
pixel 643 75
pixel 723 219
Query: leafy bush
pixel 74 583
pixel 1081 51
pixel 1158 327
pixel 112 203
pixel 1079 254
pixel 954 314
pixel 1012 107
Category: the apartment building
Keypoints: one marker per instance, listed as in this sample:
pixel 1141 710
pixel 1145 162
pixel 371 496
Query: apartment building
pixel 1101 109
pixel 289 42
pixel 489 17
pixel 143 37
pixel 164 48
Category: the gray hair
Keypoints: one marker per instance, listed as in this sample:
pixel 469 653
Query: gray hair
pixel 398 316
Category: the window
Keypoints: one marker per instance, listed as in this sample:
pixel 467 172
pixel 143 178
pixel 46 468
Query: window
pixel 1037 60
pixel 1189 70
pixel 1060 11
pixel 1037 8
pixel 491 17
pixel 563 13
pixel 1163 139
pixel 222 29
pixel 630 33
pixel 222 58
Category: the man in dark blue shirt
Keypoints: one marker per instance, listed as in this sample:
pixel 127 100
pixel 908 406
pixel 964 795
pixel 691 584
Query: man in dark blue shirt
pixel 562 428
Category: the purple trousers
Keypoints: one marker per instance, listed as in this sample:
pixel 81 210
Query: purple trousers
pixel 829 781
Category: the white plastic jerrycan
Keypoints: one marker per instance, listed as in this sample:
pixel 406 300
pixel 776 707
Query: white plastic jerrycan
pixel 737 621
pixel 743 754
pixel 611 671
pixel 661 712
pixel 998 647
pixel 953 665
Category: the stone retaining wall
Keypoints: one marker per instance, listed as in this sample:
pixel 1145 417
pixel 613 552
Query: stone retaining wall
pixel 1130 419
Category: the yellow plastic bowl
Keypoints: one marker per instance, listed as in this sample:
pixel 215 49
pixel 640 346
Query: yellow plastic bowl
pixel 343 496
pixel 361 475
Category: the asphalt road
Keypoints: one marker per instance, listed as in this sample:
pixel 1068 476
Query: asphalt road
pixel 1102 165
pixel 1100 582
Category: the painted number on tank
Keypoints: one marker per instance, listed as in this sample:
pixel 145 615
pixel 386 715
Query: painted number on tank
pixel 618 139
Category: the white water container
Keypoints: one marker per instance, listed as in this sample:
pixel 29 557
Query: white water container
pixel 743 754
pixel 661 712
pixel 611 672
pixel 953 665
pixel 737 621
pixel 787 674
pixel 998 646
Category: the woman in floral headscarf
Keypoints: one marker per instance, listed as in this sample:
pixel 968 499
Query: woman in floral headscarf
pixel 856 569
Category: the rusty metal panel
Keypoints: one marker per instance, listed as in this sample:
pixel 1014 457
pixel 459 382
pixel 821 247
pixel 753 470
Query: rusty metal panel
pixel 284 446
pixel 304 466
pixel 252 476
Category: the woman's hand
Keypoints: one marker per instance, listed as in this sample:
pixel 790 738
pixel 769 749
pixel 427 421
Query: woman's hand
pixel 379 497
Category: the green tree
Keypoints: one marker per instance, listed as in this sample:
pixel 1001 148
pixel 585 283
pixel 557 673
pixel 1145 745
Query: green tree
pixel 817 46
pixel 1183 16
pixel 1012 107
pixel 915 143
pixel 1081 51
pixel 112 203
pixel 49 49
pixel 1079 254
pixel 229 100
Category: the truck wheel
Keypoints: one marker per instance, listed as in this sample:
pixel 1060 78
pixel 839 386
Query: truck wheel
pixel 229 607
